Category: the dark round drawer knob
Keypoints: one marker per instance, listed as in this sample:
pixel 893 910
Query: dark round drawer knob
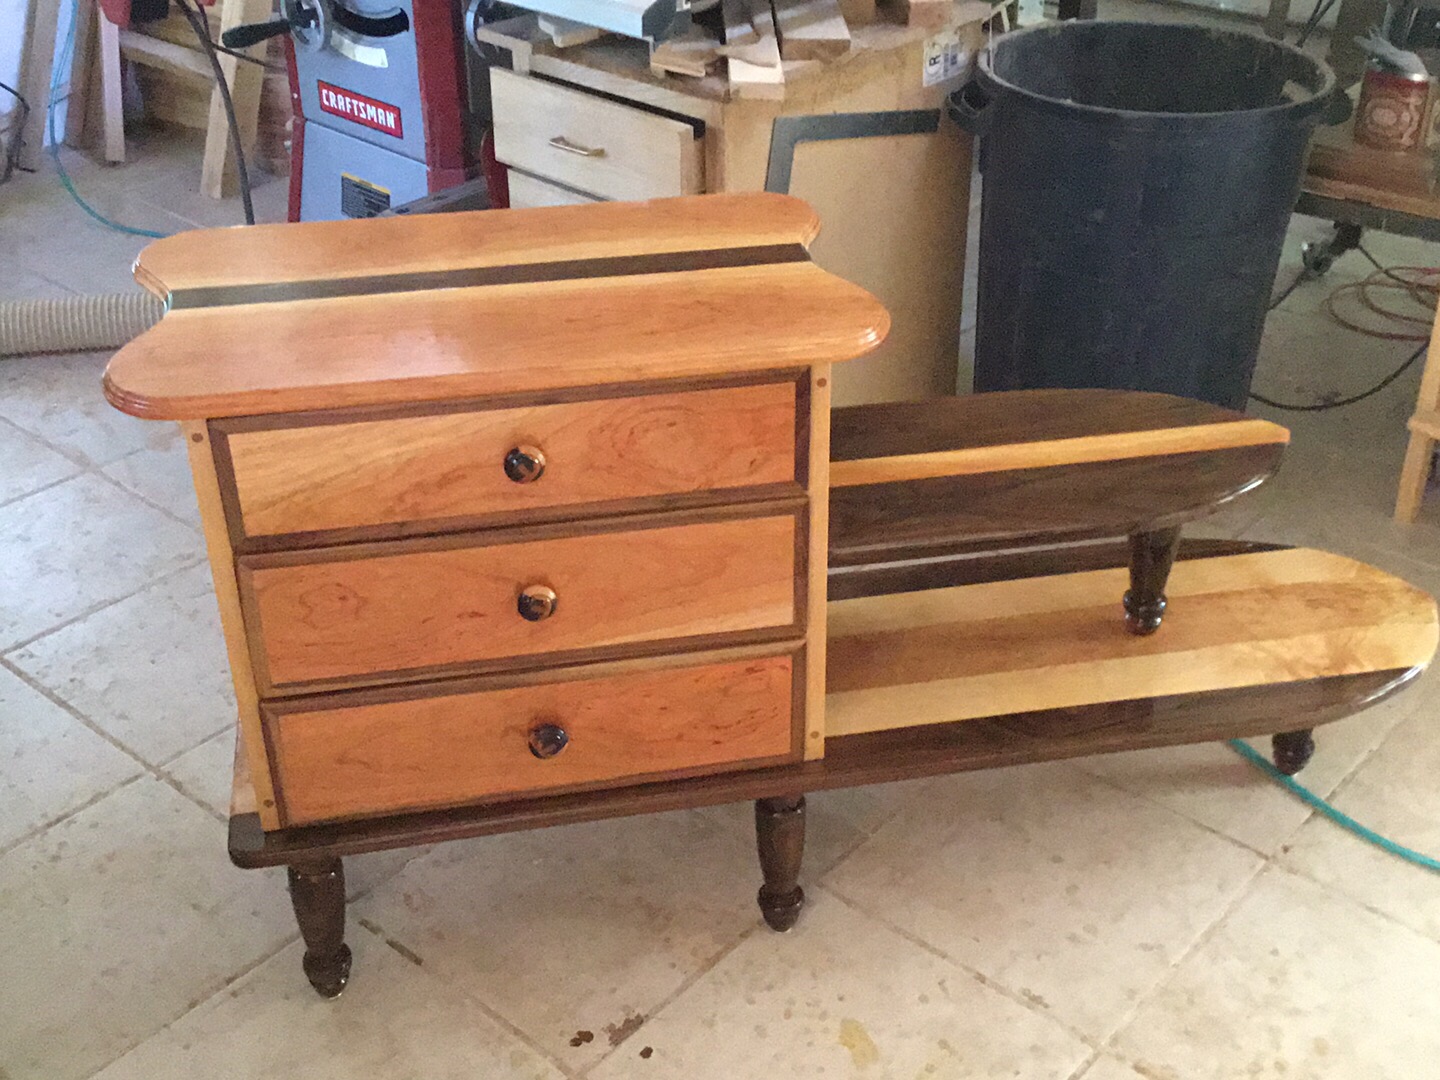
pixel 537 602
pixel 525 464
pixel 547 740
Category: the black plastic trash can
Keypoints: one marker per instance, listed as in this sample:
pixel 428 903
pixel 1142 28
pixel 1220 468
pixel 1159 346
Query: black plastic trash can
pixel 1138 180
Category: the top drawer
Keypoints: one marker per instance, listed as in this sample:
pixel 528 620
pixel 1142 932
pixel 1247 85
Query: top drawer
pixel 592 144
pixel 459 465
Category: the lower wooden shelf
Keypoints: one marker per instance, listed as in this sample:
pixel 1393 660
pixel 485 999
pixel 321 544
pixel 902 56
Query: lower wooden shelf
pixel 1271 641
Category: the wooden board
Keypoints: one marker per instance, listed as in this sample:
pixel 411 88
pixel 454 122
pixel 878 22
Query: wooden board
pixel 928 518
pixel 232 621
pixel 1030 429
pixel 1059 642
pixel 590 144
pixel 346 756
pixel 819 529
pixel 490 340
pixel 811 29
pixel 428 243
pixel 873 758
pixel 758 74
pixel 374 612
pixel 422 468
pixel 1033 466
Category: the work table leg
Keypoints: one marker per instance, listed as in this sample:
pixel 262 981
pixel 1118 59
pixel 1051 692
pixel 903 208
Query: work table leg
pixel 317 892
pixel 780 838
pixel 1151 556
pixel 1292 749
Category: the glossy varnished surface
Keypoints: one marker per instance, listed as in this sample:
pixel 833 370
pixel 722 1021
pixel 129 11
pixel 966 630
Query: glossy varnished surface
pixel 874 758
pixel 427 470
pixel 592 296
pixel 961 653
pixel 377 247
pixel 929 478
pixel 375 612
pixel 488 340
pixel 351 755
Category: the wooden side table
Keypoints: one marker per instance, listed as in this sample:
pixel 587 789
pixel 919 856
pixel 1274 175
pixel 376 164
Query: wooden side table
pixel 523 518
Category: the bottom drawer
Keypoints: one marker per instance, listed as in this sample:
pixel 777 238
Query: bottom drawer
pixel 374 752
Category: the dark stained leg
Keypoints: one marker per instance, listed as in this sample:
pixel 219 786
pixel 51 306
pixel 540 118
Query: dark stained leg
pixel 780 836
pixel 317 892
pixel 1292 750
pixel 1151 556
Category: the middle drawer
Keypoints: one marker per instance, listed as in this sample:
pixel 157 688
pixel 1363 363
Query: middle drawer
pixel 374 612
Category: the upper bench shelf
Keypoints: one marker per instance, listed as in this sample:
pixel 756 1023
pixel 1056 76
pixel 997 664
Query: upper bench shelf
pixel 481 304
pixel 931 478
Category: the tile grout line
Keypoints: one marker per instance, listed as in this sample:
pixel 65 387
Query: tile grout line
pixel 385 938
pixel 39 830
pixel 1200 941
pixel 228 982
pixel 665 1002
pixel 964 968
pixel 9 650
pixel 1338 891
pixel 103 475
pixel 147 769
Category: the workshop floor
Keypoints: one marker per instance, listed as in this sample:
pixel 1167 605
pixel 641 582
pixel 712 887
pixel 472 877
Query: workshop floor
pixel 1169 915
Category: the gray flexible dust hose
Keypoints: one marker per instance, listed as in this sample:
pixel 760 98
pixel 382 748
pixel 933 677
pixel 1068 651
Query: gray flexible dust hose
pixel 76 323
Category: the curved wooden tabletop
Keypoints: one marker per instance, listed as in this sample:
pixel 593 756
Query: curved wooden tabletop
pixel 562 298
pixel 427 243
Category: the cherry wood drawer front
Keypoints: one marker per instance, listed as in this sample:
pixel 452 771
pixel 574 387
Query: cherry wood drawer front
pixel 596 146
pixel 426 752
pixel 368 612
pixel 413 469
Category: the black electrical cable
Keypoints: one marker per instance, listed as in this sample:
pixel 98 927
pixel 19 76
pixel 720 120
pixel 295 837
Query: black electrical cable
pixel 1340 404
pixel 1322 8
pixel 197 23
pixel 17 134
pixel 1284 293
pixel 248 59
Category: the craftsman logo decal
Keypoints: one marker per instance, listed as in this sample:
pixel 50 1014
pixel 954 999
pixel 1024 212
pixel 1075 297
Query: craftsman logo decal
pixel 361 109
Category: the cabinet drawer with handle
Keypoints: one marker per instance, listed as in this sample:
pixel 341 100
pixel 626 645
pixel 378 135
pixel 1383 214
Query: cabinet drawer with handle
pixel 375 612
pixel 372 752
pixel 547 460
pixel 596 146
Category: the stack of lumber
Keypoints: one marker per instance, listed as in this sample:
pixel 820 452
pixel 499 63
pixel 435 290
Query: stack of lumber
pixel 761 36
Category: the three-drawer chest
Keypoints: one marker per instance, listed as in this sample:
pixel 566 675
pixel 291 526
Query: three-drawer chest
pixel 524 518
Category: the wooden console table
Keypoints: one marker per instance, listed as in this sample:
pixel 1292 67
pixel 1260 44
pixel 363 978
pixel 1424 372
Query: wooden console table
pixel 534 517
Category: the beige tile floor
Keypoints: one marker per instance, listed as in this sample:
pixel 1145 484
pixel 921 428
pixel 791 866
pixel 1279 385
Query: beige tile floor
pixel 1163 915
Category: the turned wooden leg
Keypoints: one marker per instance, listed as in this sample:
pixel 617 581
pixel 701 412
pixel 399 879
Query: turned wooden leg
pixel 780 837
pixel 1292 749
pixel 317 892
pixel 1151 556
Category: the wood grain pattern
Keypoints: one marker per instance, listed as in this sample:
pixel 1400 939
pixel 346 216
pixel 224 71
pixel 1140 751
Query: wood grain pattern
pixel 501 339
pixel 817 567
pixel 929 518
pixel 872 758
pixel 373 611
pixel 379 247
pixel 232 621
pixel 604 148
pixel 454 748
pixel 1049 453
pixel 973 421
pixel 436 466
pixel 1245 620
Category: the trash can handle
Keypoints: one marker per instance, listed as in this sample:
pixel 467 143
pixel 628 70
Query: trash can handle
pixel 969 108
